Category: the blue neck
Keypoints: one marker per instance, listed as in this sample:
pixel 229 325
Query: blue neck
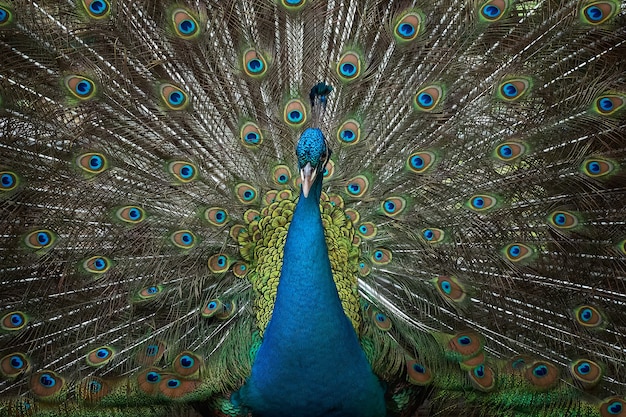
pixel 310 362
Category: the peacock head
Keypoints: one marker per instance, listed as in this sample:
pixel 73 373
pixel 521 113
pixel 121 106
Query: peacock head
pixel 313 153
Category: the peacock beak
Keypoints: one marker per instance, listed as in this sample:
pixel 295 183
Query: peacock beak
pixel 307 173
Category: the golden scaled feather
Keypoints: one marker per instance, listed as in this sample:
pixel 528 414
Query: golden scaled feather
pixel 474 203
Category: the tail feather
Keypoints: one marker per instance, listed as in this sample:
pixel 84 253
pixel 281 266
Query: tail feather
pixel 477 156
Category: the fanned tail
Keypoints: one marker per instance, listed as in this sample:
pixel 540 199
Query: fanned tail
pixel 476 191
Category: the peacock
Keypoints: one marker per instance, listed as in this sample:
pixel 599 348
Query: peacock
pixel 348 208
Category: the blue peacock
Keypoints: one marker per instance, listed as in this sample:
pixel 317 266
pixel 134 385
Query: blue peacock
pixel 311 208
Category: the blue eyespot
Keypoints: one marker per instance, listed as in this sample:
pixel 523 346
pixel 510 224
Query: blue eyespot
pixel 152 350
pixel 148 293
pixel 379 255
pixel 187 238
pixel 514 251
pixel 406 29
pixel 218 264
pixel 464 340
pixel 47 380
pixel 95 162
pixel 153 377
pixel 187 26
pixel 506 151
pixel 4 15
pixel 176 98
pixel 347 135
pixel 84 87
pixel 606 104
pixel 417 162
pixel 446 287
pixel 80 87
pixel 593 167
pixel 354 188
pixel 17 319
pixel 282 179
pixel 103 353
pixel 491 11
pixel 186 172
pixel 94 387
pixel 7 180
pixel 510 150
pixel 594 13
pixel 295 116
pixel 252 138
pixel 98 7
pixel 134 214
pixel 425 99
pixel 347 69
pixel 99 264
pixel 393 206
pixel 518 363
pixel 255 65
pixel 586 314
pixel 419 368
pixel 509 90
pixel 173 383
pixel 482 202
pixel 16 362
pixel 186 361
pixel 173 97
pixel 212 305
pixel 479 371
pixel 428 234
pixel 540 371
pixel 14 365
pixel 248 195
pixel 615 407
pixel 584 368
pixel 43 238
pixel 560 219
